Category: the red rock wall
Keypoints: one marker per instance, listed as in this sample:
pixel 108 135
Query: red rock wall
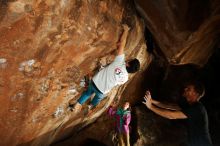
pixel 186 31
pixel 46 47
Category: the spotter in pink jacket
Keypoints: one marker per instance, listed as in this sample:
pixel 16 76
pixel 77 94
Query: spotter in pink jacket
pixel 123 119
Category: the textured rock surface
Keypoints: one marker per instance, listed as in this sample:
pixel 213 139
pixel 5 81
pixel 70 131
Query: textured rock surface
pixel 46 47
pixel 186 31
pixel 155 130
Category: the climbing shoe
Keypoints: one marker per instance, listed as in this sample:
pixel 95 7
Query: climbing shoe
pixel 88 109
pixel 76 107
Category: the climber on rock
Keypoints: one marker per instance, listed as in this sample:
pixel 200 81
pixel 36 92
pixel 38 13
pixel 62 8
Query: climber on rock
pixel 122 120
pixel 112 75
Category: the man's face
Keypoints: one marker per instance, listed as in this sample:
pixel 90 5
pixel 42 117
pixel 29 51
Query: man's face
pixel 190 94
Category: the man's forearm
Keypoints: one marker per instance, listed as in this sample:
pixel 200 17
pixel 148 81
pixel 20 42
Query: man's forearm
pixel 123 41
pixel 166 105
pixel 166 113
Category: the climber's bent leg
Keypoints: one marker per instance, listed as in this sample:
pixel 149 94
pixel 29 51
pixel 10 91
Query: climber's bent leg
pixel 98 97
pixel 86 94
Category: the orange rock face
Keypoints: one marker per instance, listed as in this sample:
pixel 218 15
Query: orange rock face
pixel 186 31
pixel 46 47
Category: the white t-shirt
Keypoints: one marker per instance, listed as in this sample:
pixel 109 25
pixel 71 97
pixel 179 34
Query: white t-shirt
pixel 112 75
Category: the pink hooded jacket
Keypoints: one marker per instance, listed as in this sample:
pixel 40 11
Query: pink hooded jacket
pixel 123 119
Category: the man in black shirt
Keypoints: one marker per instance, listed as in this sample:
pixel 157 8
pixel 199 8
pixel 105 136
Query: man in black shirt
pixel 189 108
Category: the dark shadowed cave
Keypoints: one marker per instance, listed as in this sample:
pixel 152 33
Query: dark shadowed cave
pixel 210 76
pixel 48 46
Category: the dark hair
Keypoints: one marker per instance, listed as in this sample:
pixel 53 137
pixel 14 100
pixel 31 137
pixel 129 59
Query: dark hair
pixel 133 66
pixel 198 87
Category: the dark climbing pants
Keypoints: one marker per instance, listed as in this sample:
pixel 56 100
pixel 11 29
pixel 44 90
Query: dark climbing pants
pixel 87 94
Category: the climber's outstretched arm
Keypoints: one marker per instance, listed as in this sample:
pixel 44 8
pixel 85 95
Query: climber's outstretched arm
pixel 123 40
